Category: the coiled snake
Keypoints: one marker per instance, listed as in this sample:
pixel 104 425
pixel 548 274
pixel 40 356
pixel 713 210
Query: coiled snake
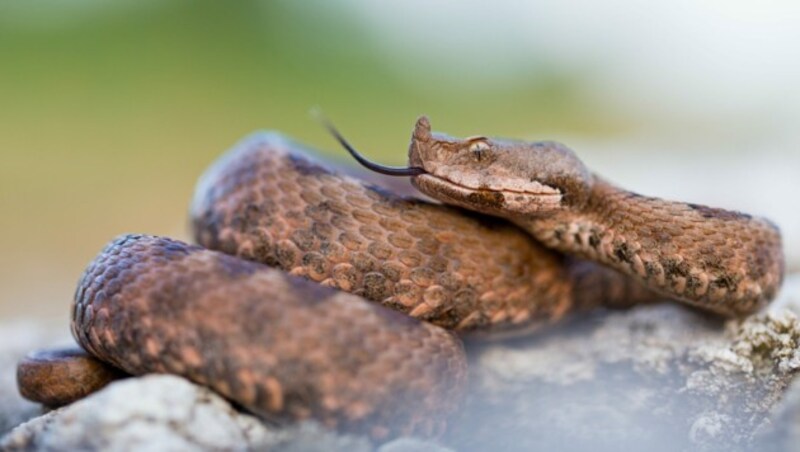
pixel 280 339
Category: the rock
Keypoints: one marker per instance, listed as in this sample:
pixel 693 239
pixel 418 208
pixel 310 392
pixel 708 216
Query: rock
pixel 164 412
pixel 412 445
pixel 784 433
pixel 660 377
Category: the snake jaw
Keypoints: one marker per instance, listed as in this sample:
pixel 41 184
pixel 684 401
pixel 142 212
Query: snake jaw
pixel 489 200
pixel 495 180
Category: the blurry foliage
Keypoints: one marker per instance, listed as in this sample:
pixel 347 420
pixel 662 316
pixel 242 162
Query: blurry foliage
pixel 111 111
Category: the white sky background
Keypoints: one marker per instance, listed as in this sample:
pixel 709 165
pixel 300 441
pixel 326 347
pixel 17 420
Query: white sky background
pixel 717 81
pixel 709 57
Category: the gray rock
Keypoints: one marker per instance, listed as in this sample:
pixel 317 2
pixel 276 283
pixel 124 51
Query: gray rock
pixel 784 432
pixel 163 412
pixel 412 445
pixel 660 377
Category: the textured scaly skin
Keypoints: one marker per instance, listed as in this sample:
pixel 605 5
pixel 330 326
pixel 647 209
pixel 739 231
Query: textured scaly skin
pixel 722 261
pixel 268 202
pixel 280 346
pixel 289 349
pixel 727 262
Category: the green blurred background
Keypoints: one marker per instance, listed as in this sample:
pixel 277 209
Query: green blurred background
pixel 109 111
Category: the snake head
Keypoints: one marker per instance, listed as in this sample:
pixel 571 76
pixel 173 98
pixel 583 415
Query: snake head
pixel 497 177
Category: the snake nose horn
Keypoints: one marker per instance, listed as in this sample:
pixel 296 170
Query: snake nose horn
pixel 422 129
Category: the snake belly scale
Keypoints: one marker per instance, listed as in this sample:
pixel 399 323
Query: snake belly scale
pixel 315 295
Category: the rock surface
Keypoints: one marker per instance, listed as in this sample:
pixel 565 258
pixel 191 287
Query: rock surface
pixel 784 434
pixel 659 377
pixel 672 377
pixel 163 412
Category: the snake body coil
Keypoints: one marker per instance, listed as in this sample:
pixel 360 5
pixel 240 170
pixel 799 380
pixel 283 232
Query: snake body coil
pixel 282 347
pixel 288 345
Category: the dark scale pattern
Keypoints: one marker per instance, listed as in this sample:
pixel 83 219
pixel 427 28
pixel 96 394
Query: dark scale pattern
pixel 282 347
pixel 726 262
pixel 266 202
pixel 722 261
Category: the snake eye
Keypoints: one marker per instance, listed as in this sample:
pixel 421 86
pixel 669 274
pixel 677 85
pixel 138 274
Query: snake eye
pixel 478 148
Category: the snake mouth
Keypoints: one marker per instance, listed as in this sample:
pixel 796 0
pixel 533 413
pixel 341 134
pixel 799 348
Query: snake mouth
pixel 487 200
pixel 509 198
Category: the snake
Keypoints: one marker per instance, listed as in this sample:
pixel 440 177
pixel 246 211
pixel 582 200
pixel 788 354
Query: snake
pixel 310 294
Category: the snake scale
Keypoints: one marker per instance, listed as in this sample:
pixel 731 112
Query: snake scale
pixel 314 295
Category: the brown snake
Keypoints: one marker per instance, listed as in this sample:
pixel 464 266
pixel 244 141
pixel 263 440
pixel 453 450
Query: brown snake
pixel 286 349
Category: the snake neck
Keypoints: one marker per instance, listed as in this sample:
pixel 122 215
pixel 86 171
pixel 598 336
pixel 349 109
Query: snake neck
pixel 726 262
